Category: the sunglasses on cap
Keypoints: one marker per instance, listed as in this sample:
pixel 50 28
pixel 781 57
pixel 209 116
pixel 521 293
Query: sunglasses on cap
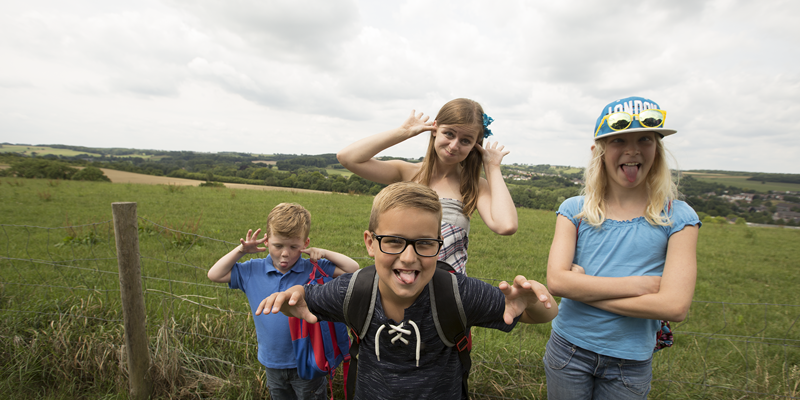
pixel 621 120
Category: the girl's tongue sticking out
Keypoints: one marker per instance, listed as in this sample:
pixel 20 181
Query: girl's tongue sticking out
pixel 630 171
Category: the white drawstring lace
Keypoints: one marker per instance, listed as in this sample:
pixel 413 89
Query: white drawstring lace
pixel 400 331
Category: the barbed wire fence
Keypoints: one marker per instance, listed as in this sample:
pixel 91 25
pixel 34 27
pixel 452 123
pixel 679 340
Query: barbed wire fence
pixel 201 334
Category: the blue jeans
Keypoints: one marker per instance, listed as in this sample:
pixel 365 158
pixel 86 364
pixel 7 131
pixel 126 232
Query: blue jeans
pixel 285 384
pixel 576 373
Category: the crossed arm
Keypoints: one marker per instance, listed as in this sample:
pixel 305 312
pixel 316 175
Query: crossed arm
pixel 667 297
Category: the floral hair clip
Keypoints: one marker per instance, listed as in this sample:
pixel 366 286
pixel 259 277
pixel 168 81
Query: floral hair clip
pixel 486 121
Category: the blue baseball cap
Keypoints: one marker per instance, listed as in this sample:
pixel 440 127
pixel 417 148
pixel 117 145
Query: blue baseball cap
pixel 633 106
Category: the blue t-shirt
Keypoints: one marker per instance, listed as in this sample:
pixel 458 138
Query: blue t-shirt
pixel 617 249
pixel 258 279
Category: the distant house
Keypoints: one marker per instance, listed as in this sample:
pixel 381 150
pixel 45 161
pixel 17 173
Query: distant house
pixel 787 216
pixel 748 197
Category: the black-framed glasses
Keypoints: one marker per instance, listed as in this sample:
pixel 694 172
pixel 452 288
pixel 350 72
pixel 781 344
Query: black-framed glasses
pixel 397 244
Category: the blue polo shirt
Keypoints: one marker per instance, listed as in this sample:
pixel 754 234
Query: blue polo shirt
pixel 258 279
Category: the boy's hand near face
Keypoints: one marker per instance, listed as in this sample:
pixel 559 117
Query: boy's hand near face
pixel 292 303
pixel 251 242
pixel 530 299
pixel 344 264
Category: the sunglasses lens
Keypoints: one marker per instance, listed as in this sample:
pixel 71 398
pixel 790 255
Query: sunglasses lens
pixel 620 120
pixel 651 118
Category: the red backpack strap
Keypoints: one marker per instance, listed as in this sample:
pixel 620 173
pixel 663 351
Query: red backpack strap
pixel 313 274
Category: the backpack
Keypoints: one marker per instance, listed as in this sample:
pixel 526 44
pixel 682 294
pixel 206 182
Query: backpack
pixel 446 308
pixel 319 348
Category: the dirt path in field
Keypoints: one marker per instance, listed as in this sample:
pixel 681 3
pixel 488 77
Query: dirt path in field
pixel 130 177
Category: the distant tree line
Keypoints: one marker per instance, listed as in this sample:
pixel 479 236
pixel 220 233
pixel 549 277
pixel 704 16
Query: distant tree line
pixel 541 198
pixel 320 161
pixel 50 169
pixel 309 172
pixel 783 178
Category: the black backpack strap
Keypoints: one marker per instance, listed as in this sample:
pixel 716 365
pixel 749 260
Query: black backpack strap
pixel 357 310
pixel 445 266
pixel 450 319
pixel 358 314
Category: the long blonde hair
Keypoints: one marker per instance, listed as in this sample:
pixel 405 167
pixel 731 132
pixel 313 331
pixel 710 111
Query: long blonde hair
pixel 661 189
pixel 467 113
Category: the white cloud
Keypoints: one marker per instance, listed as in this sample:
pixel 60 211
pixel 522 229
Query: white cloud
pixel 311 76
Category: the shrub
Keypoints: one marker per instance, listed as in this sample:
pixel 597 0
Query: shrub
pixel 90 174
pixel 41 169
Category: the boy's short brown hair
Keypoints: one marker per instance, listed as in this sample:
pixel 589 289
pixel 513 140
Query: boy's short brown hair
pixel 289 220
pixel 404 195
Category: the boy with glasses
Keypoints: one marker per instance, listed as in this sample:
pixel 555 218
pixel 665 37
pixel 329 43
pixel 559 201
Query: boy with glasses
pixel 409 359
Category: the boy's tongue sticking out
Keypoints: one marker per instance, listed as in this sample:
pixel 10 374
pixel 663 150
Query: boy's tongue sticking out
pixel 630 171
pixel 406 276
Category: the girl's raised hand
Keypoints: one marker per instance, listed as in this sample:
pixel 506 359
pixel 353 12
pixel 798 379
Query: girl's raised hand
pixel 250 244
pixel 417 123
pixel 492 153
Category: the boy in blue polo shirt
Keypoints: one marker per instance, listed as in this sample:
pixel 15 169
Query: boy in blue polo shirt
pixel 288 225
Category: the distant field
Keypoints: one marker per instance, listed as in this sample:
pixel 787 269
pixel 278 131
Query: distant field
pixel 568 170
pixel 332 171
pixel 45 150
pixel 41 151
pixel 130 177
pixel 742 182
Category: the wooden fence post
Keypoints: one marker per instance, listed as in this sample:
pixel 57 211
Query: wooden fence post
pixel 130 286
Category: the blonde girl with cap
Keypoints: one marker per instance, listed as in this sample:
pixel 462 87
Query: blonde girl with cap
pixel 451 167
pixel 623 257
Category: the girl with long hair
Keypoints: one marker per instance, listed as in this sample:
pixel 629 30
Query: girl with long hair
pixel 623 259
pixel 452 167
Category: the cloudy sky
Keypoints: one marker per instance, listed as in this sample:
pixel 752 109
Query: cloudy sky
pixel 300 76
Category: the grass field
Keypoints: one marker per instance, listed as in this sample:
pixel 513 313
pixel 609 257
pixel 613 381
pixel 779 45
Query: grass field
pixel 61 329
pixel 742 182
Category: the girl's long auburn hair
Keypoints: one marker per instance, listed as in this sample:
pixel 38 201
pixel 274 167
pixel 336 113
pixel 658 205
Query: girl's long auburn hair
pixel 467 113
pixel 660 188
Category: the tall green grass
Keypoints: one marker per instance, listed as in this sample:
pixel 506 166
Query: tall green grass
pixel 61 331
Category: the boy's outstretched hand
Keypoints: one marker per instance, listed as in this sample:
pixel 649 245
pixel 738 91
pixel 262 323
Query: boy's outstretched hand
pixel 530 299
pixel 292 302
